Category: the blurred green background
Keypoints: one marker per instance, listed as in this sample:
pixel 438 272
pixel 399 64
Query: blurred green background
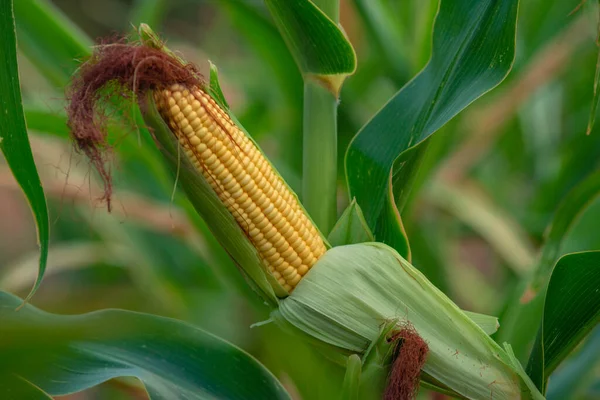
pixel 488 188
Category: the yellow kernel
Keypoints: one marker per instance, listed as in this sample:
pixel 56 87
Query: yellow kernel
pixel 288 272
pixel 303 269
pixel 294 281
pixel 277 262
pixel 283 266
pixel 288 252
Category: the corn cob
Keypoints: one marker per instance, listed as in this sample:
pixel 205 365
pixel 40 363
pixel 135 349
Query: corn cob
pixel 257 197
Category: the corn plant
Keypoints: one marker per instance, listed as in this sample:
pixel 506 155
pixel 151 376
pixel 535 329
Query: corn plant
pixel 346 306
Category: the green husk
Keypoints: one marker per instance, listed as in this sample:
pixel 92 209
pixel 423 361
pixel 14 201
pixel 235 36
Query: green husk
pixel 353 290
pixel 351 384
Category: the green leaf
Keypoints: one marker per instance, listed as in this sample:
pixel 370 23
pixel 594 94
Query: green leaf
pixel 521 371
pixel 14 141
pixel 480 213
pixel 264 38
pixel 385 33
pixel 571 310
pixel 320 48
pixel 520 321
pixel 48 122
pixel 596 97
pixel 49 40
pixel 578 372
pixel 473 50
pixel 14 387
pixel 67 354
pixel 351 228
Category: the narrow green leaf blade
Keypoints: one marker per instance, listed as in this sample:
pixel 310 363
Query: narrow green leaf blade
pixel 67 354
pixel 49 122
pixel 481 213
pixel 49 40
pixel 571 310
pixel 596 96
pixel 321 49
pixel 473 50
pixel 14 141
pixel 14 387
pixel 385 33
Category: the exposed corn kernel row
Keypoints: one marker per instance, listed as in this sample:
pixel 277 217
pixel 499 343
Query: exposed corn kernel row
pixel 244 180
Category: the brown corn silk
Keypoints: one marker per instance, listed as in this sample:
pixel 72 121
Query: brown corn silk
pixel 410 354
pixel 257 197
pixel 116 69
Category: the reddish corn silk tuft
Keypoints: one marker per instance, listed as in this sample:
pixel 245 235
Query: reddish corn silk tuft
pixel 410 354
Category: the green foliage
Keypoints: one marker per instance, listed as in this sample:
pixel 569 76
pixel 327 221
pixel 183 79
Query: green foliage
pixel 577 372
pixel 14 387
pixel 318 45
pixel 14 142
pixel 67 354
pixel 524 315
pixel 465 63
pixel 571 310
pixel 54 44
pixel 596 97
pixel 511 177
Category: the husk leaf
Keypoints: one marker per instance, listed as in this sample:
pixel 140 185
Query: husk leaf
pixel 353 290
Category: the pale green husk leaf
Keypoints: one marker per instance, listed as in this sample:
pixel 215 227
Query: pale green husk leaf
pixel 488 323
pixel 353 290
